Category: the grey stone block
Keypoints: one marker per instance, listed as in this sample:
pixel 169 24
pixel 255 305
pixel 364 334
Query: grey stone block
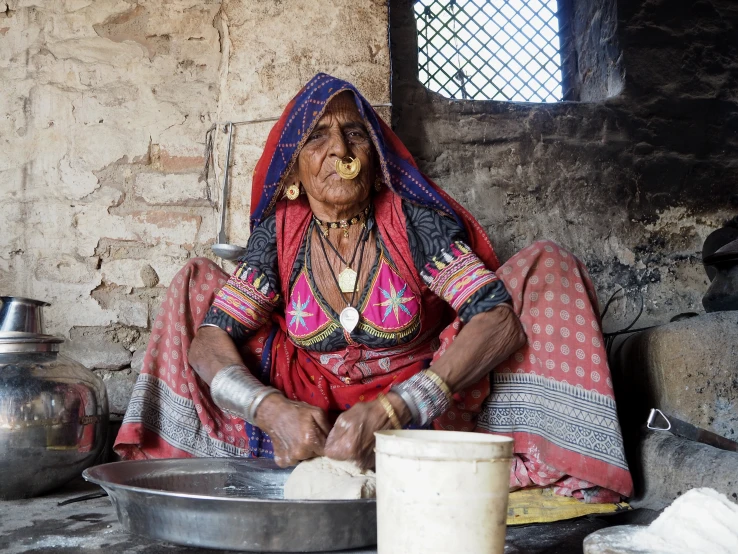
pixel 97 353
pixel 119 385
pixel 137 360
pixel 668 466
pixel 688 369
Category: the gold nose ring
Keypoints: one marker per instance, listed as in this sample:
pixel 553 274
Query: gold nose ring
pixel 348 167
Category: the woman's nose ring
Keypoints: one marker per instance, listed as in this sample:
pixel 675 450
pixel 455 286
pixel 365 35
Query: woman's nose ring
pixel 348 167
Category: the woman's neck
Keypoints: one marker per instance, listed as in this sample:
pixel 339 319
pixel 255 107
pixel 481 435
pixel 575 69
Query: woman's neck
pixel 334 213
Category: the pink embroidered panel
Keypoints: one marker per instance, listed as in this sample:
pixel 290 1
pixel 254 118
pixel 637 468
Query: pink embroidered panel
pixel 389 310
pixel 390 306
pixel 307 322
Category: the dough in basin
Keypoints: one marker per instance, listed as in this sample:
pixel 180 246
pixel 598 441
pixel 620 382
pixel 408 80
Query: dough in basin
pixel 326 479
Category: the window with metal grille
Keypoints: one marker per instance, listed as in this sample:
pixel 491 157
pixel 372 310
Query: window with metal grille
pixel 490 49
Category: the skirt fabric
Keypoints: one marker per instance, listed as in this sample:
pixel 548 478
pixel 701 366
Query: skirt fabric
pixel 554 396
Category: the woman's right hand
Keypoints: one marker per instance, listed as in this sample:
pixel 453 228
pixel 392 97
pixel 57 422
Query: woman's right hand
pixel 298 430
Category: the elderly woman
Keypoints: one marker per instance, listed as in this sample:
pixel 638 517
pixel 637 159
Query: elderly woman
pixel 368 299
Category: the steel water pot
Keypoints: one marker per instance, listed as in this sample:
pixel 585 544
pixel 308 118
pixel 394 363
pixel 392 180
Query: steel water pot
pixel 53 415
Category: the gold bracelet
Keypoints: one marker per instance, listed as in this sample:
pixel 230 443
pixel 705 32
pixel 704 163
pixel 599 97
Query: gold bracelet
pixel 433 376
pixel 390 409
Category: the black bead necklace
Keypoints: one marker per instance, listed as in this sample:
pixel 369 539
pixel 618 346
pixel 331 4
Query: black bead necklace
pixel 349 316
pixel 344 223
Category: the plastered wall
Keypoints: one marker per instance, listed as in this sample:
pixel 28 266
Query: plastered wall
pixel 103 114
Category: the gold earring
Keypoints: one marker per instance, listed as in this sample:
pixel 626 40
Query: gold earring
pixel 348 168
pixel 293 191
pixel 378 184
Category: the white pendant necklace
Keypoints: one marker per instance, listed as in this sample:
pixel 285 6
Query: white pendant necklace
pixel 349 318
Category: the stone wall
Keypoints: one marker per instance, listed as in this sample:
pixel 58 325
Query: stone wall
pixel 633 184
pixel 103 114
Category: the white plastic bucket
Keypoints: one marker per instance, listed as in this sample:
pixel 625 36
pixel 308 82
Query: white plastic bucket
pixel 442 491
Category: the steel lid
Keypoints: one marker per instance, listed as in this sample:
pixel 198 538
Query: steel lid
pixel 13 341
pixel 24 300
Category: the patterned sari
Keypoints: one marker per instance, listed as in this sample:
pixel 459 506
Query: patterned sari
pixel 554 396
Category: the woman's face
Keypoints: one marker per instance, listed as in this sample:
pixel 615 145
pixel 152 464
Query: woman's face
pixel 340 132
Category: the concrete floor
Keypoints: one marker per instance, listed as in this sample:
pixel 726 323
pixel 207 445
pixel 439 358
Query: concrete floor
pixel 39 525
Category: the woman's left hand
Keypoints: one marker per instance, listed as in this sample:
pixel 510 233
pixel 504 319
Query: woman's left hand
pixel 352 436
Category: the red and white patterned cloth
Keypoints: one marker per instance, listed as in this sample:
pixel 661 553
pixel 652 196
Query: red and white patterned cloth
pixel 554 396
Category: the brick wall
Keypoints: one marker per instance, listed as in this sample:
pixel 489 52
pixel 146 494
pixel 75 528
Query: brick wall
pixel 103 114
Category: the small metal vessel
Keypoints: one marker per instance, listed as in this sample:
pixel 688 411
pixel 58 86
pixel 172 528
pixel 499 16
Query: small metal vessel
pixel 53 413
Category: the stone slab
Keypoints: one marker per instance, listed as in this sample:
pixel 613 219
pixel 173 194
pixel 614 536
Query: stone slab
pixel 667 466
pixel 97 353
pixel 137 360
pixel 688 369
pixel 119 385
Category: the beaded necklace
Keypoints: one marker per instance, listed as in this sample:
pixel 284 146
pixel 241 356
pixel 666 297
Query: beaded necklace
pixel 343 223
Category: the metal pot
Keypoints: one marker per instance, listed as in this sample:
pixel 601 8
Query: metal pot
pixel 53 415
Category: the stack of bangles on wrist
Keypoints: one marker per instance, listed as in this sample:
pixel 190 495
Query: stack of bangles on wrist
pixel 427 396
pixel 237 392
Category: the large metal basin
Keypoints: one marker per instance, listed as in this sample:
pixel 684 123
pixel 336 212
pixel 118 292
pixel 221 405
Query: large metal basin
pixel 230 504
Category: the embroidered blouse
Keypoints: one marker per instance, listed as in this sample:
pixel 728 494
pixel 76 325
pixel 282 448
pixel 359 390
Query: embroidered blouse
pixel 389 311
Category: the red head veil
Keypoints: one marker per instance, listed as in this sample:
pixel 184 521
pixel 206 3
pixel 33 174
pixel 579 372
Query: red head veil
pixel 399 170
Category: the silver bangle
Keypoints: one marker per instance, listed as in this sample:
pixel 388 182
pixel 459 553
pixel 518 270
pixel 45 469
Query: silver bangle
pixel 257 402
pixel 409 401
pixel 236 391
pixel 426 395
